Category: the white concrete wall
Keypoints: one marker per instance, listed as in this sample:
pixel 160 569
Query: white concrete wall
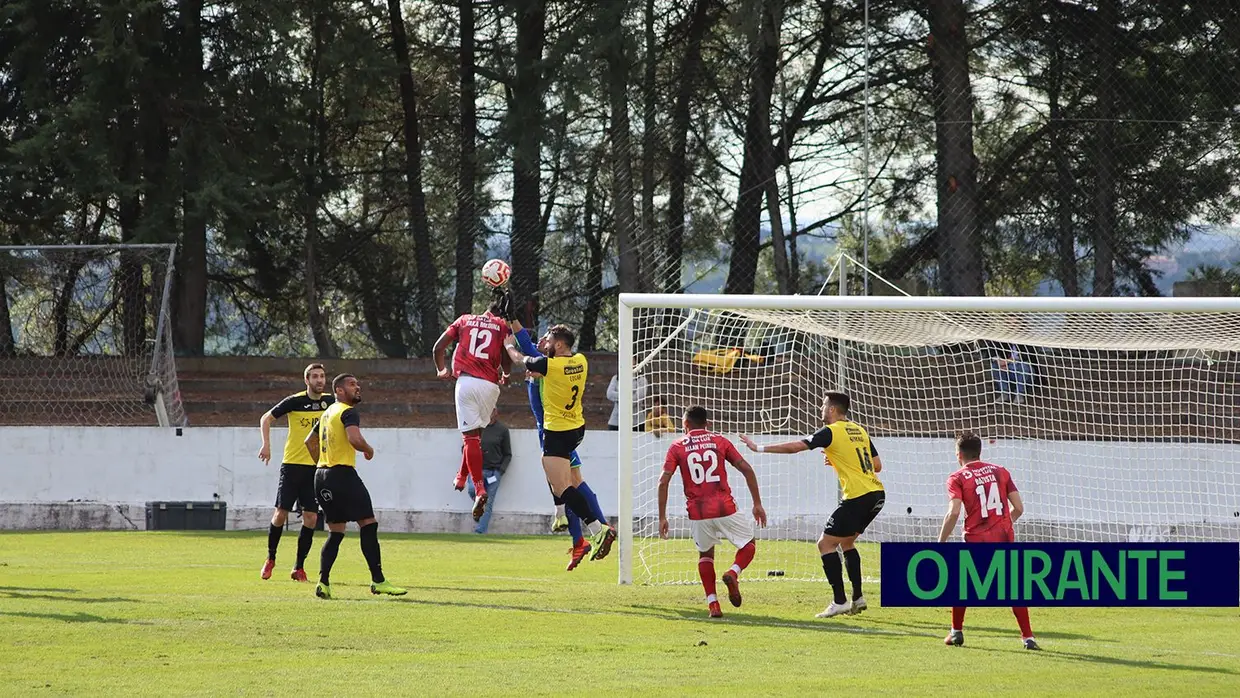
pixel 1072 481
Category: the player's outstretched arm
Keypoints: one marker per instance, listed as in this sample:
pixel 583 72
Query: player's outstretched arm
pixel 751 480
pixel 949 519
pixel 358 442
pixel 786 447
pixel 1017 506
pixel 440 352
pixel 526 344
pixel 664 480
pixel 514 354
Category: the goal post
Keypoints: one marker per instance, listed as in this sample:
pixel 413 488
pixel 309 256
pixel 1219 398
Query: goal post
pixel 1117 416
pixel 85 335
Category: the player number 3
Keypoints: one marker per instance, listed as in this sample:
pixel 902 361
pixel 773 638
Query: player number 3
pixel 990 502
pixel 701 474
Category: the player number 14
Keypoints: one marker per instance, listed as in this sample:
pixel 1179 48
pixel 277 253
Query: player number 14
pixel 701 474
pixel 990 502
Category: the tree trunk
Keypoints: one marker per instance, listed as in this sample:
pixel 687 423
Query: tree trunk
pixel 526 125
pixel 960 257
pixel 466 183
pixel 630 269
pixel 427 301
pixel 315 155
pixel 1104 151
pixel 1065 235
pixel 757 166
pixel 678 167
pixel 190 305
pixel 647 241
pixel 588 335
pixel 129 216
pixel 8 347
pixel 794 266
pixel 779 246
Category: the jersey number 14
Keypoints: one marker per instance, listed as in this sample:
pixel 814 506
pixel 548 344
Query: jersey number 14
pixel 990 502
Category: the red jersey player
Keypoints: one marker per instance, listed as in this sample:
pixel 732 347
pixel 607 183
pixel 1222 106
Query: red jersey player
pixel 991 505
pixel 700 457
pixel 480 365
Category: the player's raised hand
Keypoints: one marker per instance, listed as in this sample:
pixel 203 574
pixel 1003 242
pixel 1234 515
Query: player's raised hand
pixel 443 374
pixel 264 454
pixel 749 442
pixel 663 529
pixel 759 515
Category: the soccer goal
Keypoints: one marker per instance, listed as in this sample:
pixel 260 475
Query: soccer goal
pixel 85 336
pixel 1118 417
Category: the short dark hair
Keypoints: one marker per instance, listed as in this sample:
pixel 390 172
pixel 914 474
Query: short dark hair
pixel 697 416
pixel 839 401
pixel 306 373
pixel 340 379
pixel 563 334
pixel 969 445
pixel 656 399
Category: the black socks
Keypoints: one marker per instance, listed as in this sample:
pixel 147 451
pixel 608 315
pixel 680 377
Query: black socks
pixel 577 502
pixel 835 575
pixel 304 540
pixel 852 562
pixel 328 556
pixel 370 550
pixel 273 540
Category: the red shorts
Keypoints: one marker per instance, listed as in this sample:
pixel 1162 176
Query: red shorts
pixel 994 535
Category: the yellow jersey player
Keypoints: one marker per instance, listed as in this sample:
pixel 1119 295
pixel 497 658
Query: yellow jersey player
pixel 564 375
pixel 852 454
pixel 340 490
pixel 296 486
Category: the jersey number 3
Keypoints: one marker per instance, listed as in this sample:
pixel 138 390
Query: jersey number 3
pixel 576 393
pixel 990 502
pixel 479 340
pixel 701 474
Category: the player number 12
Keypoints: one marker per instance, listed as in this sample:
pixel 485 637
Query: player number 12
pixel 479 340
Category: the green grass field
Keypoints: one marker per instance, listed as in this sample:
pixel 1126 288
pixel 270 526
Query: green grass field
pixel 185 613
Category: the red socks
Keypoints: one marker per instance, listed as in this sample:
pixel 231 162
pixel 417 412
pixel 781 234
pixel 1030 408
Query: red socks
pixel 744 556
pixel 472 458
pixel 1021 613
pixel 706 570
pixel 1022 619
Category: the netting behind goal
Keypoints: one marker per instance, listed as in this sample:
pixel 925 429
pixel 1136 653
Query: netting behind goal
pixel 1116 426
pixel 85 336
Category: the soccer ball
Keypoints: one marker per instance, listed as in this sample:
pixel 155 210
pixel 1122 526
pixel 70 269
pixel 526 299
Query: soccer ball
pixel 496 272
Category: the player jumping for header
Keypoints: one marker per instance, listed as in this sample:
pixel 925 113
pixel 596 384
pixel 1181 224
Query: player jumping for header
pixel 581 547
pixel 991 505
pixel 480 366
pixel 700 458
pixel 564 375
pixel 850 451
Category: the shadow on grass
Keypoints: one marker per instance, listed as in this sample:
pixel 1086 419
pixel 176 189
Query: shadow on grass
pixel 681 614
pixel 67 617
pixel 75 599
pixel 1113 661
pixel 40 589
pixel 941 628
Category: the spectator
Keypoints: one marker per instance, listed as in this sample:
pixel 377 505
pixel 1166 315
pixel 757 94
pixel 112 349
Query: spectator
pixel 658 421
pixel 496 454
pixel 613 394
pixel 1012 373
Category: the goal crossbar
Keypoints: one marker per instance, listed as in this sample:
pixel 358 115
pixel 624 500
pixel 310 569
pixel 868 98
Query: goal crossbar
pixel 1013 304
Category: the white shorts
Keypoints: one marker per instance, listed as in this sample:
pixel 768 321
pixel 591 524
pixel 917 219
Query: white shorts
pixel 475 401
pixel 736 529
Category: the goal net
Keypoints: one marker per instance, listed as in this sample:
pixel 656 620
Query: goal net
pixel 85 336
pixel 1117 417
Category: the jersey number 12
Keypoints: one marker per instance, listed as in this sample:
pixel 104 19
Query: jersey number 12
pixel 990 502
pixel 479 340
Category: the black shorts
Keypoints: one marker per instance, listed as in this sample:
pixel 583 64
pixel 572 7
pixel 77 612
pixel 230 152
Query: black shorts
pixel 561 444
pixel 296 488
pixel 853 515
pixel 342 495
